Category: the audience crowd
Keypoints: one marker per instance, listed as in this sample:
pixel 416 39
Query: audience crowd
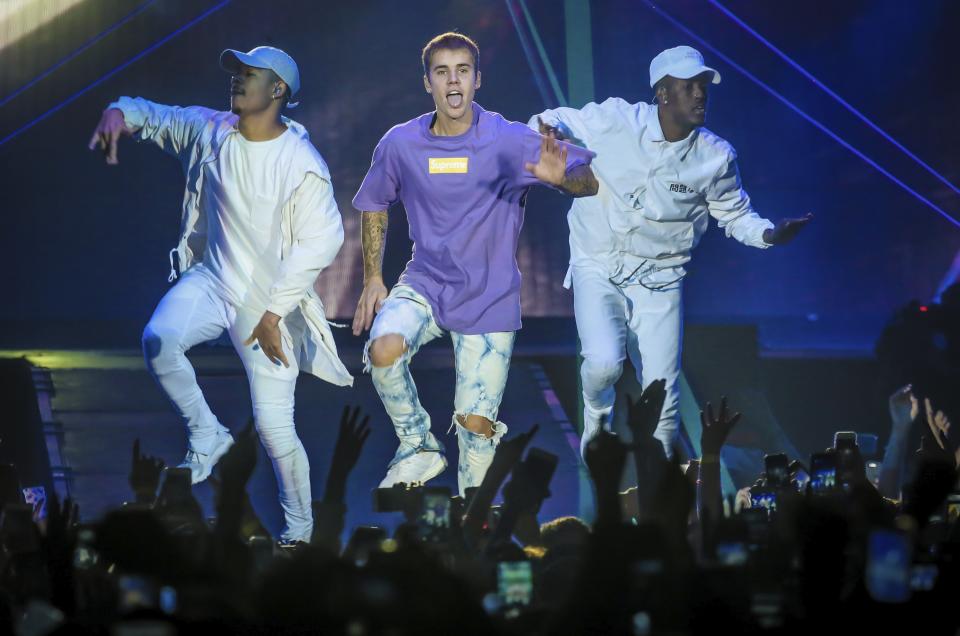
pixel 818 546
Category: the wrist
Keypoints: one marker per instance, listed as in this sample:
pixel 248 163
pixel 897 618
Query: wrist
pixel 376 279
pixel 270 319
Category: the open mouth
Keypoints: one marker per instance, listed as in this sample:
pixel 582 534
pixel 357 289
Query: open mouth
pixel 700 110
pixel 455 99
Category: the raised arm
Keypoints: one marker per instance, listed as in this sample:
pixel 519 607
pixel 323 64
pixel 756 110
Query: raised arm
pixel 551 169
pixel 903 408
pixel 373 238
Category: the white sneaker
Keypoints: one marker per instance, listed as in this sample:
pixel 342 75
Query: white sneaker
pixel 419 468
pixel 201 464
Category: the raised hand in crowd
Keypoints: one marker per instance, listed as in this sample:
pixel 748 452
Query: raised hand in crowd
pixel 606 456
pixel 524 494
pixel 250 523
pixel 235 469
pixel 938 432
pixel 58 545
pixel 144 478
pixel 236 466
pixel 936 472
pixel 330 512
pixel 904 408
pixel 507 455
pixel 351 438
pixel 714 432
pixel 643 416
pixel 715 429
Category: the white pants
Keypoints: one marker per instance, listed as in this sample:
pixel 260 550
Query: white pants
pixel 192 312
pixel 632 320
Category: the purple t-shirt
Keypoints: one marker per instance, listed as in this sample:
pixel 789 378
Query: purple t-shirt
pixel 464 196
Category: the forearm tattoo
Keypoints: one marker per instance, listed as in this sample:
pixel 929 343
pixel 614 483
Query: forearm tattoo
pixel 580 182
pixel 373 238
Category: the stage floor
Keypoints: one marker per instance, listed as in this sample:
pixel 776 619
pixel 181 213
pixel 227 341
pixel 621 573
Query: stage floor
pixel 105 400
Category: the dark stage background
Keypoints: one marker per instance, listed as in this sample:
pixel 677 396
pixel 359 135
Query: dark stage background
pixel 84 241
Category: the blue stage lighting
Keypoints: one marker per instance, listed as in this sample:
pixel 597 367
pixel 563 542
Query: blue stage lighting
pixel 147 51
pixel 786 102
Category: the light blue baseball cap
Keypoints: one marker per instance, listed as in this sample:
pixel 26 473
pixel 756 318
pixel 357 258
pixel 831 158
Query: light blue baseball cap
pixel 264 57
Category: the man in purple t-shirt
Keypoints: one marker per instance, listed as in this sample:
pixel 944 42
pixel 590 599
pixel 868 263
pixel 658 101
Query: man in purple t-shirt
pixel 462 173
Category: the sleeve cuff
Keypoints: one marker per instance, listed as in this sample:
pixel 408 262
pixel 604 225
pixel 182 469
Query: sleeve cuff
pixel 761 242
pixel 132 115
pixel 279 309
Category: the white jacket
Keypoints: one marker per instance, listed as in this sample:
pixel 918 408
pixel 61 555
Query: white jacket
pixel 194 135
pixel 655 196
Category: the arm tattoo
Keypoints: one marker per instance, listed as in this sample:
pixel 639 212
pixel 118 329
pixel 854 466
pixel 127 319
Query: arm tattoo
pixel 580 182
pixel 373 238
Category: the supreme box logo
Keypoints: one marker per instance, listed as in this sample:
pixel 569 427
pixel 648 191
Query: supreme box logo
pixel 448 165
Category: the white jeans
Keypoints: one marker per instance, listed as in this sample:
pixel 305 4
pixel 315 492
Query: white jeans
pixel 615 321
pixel 192 312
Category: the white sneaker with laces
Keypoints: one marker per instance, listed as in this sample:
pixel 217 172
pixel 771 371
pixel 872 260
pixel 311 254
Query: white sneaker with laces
pixel 201 464
pixel 419 468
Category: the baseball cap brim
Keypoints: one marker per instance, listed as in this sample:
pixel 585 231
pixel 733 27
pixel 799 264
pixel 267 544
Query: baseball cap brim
pixel 693 71
pixel 231 60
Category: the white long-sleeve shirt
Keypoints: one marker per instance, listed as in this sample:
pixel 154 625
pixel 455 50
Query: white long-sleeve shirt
pixel 655 197
pixel 243 202
pixel 260 215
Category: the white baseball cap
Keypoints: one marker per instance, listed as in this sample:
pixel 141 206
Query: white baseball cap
pixel 682 62
pixel 264 57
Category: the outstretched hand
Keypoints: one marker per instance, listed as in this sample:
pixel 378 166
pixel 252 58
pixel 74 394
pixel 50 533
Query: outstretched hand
pixel 786 230
pixel 552 166
pixel 108 132
pixel 716 429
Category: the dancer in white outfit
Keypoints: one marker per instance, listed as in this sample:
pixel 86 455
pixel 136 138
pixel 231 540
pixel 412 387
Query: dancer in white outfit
pixel 662 176
pixel 259 224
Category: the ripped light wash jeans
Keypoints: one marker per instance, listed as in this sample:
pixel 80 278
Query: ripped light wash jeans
pixel 482 363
